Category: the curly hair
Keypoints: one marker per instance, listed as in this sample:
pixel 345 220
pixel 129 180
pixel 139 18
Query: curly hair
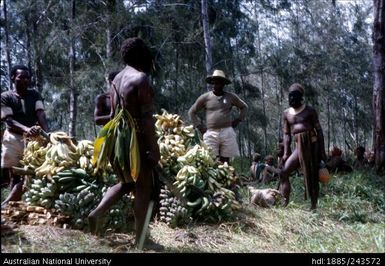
pixel 18 67
pixel 112 75
pixel 135 53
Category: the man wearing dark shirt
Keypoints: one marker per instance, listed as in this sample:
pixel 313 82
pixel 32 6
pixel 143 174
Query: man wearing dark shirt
pixel 21 110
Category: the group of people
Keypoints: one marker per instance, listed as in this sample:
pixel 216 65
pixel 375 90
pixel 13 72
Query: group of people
pixel 22 111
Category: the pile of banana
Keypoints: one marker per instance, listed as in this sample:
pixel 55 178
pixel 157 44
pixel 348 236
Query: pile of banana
pixel 199 184
pixel 34 154
pixel 173 139
pixel 172 124
pixel 64 179
pixel 59 154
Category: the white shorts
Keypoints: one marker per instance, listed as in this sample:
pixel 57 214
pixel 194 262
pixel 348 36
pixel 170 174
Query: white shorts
pixel 12 148
pixel 222 142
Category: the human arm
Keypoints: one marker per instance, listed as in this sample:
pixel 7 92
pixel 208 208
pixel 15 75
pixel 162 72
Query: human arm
pixel 101 117
pixel 145 96
pixel 286 139
pixel 192 113
pixel 242 106
pixel 42 120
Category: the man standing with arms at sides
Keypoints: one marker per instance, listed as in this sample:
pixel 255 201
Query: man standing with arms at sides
pixel 132 91
pixel 103 103
pixel 301 122
pixel 219 132
pixel 21 110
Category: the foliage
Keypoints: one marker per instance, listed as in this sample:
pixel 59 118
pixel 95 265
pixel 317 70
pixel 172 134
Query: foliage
pixel 263 46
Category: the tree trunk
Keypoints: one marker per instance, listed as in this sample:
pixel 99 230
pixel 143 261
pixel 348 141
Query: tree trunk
pixel 72 59
pixel 110 11
pixel 37 56
pixel 328 118
pixel 262 86
pixel 7 44
pixel 379 83
pixel 206 35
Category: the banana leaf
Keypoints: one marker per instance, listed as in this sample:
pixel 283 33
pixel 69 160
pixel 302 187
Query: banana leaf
pixel 117 143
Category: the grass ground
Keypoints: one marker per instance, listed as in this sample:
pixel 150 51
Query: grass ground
pixel 350 219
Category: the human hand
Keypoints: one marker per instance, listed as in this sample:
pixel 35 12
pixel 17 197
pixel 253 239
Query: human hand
pixel 285 157
pixel 202 129
pixel 33 131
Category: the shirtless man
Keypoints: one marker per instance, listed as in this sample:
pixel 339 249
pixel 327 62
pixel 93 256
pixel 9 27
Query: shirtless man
pixel 132 91
pixel 301 122
pixel 103 104
pixel 219 132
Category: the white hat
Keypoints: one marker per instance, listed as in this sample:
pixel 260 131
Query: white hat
pixel 218 74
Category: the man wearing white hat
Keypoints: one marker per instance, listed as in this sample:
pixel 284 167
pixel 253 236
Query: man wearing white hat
pixel 219 132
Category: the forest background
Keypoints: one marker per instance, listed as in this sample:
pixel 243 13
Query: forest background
pixel 263 46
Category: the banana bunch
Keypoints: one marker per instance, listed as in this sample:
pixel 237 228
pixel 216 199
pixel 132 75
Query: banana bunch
pixel 34 154
pixel 40 192
pixel 171 146
pixel 171 210
pixel 85 150
pixel 199 156
pixel 59 156
pixel 172 124
pixel 173 139
pixel 198 183
pixel 66 203
pixel 226 175
pixel 187 178
pixel 116 219
pixel 78 205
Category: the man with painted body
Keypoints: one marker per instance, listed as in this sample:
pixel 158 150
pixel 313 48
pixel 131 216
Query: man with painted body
pixel 300 121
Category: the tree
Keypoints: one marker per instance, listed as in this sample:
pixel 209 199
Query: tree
pixel 206 36
pixel 7 43
pixel 379 83
pixel 72 60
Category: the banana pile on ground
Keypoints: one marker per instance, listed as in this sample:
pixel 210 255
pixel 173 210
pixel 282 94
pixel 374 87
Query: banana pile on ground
pixel 173 139
pixel 195 180
pixel 59 154
pixel 65 180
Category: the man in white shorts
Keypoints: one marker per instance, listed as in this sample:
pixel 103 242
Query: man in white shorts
pixel 21 110
pixel 219 132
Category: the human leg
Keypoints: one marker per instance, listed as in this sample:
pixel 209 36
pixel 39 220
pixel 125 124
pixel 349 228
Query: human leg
pixel 12 149
pixel 290 165
pixel 228 143
pixel 16 189
pixel 113 194
pixel 143 193
pixel 211 139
